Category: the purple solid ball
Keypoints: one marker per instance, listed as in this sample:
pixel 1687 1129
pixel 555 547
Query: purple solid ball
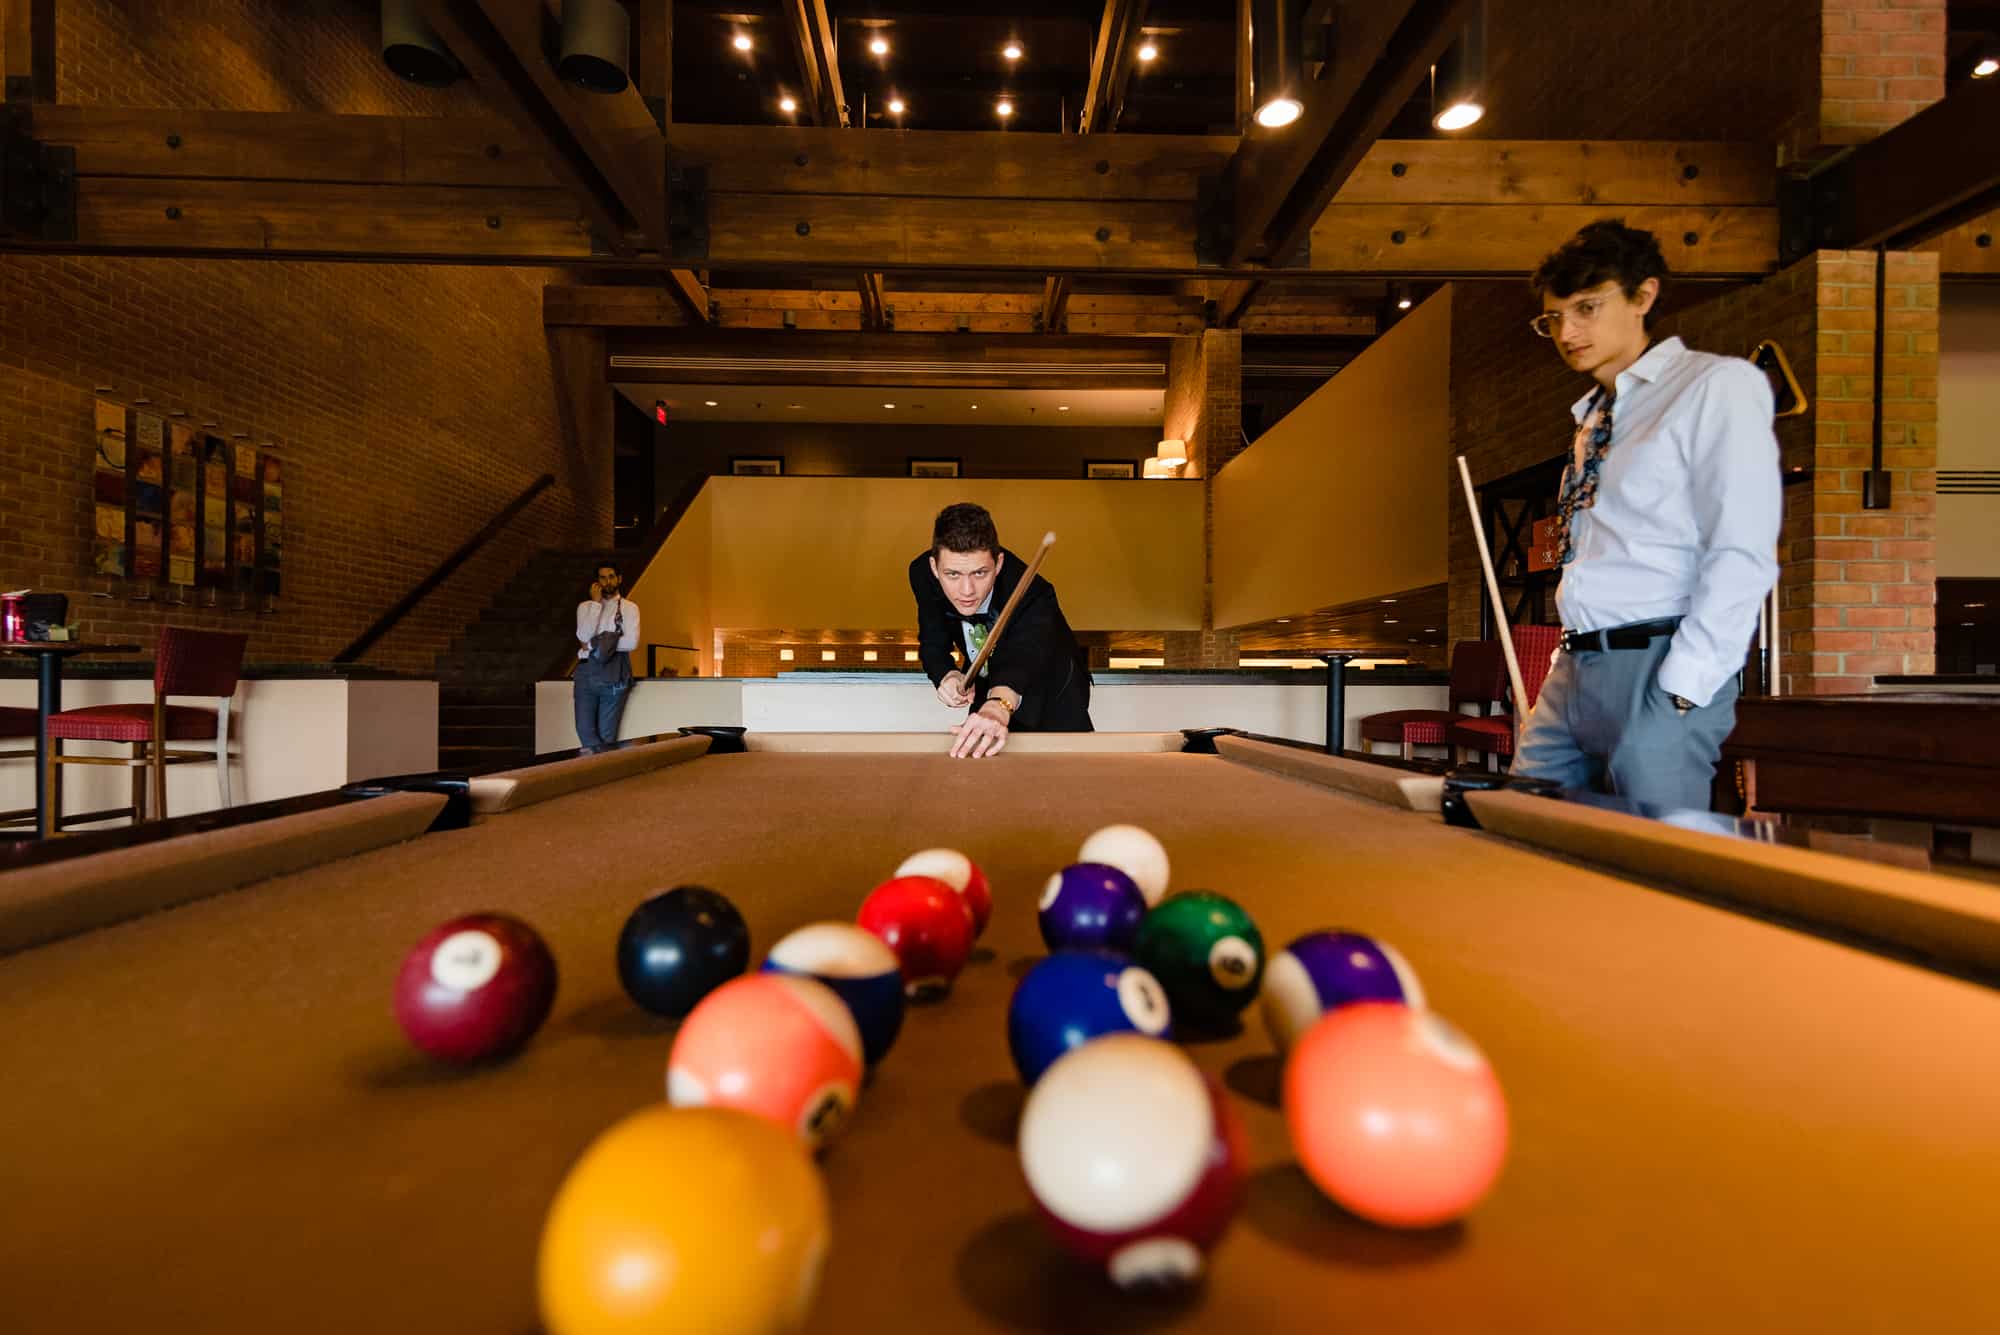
pixel 1091 906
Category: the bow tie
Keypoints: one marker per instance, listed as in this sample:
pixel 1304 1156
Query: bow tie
pixel 977 619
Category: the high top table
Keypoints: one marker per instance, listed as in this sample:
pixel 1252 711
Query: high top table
pixel 49 656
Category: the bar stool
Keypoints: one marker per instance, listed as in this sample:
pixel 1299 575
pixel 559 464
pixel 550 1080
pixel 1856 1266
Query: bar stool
pixel 201 663
pixel 1535 647
pixel 18 723
pixel 1477 670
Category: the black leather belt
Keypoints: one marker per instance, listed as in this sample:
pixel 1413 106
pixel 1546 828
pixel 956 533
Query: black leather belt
pixel 1635 636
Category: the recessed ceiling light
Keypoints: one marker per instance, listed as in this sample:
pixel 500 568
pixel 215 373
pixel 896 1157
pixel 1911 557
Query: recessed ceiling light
pixel 1284 621
pixel 1388 600
pixel 1062 407
pixel 1148 51
pixel 880 46
pixel 1459 115
pixel 786 105
pixel 975 407
pixel 895 106
pixel 711 403
pixel 1389 621
pixel 1012 50
pixel 741 41
pixel 1965 623
pixel 1403 304
pixel 1430 630
pixel 1970 606
pixel 1986 68
pixel 888 405
pixel 1003 108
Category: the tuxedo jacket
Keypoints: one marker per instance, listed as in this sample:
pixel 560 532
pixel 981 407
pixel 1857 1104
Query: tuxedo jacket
pixel 1037 656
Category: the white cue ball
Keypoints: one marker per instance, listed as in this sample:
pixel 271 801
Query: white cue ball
pixel 1134 852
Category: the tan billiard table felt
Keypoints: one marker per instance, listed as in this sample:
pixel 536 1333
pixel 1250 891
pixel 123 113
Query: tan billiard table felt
pixel 211 1122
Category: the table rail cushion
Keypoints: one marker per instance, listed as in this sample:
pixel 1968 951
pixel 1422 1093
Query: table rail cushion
pixel 1941 918
pixel 939 743
pixel 512 789
pixel 58 899
pixel 1398 788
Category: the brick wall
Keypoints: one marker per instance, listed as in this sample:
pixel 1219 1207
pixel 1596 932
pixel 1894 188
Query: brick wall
pixel 1859 591
pixel 1881 62
pixel 408 403
pixel 1695 69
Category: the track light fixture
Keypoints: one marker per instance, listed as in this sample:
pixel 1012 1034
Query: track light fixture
pixel 1274 63
pixel 596 45
pixel 1458 93
pixel 411 50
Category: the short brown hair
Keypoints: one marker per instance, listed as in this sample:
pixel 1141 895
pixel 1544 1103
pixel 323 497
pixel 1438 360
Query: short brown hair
pixel 1602 252
pixel 964 528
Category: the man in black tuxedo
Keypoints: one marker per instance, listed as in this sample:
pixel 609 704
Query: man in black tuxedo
pixel 1037 679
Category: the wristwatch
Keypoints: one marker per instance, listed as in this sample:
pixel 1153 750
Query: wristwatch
pixel 1681 702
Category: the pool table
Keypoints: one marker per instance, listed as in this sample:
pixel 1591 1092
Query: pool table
pixel 1721 1123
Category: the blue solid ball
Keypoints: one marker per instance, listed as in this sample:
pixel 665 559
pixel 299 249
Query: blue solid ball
pixel 1323 971
pixel 1077 995
pixel 860 969
pixel 1091 906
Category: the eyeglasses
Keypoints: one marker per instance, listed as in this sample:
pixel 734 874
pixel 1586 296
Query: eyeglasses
pixel 1584 312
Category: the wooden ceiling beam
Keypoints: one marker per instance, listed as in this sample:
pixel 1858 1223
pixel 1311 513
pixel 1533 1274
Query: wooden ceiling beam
pixel 1279 180
pixel 1111 65
pixel 1234 300
pixel 1934 171
pixel 606 148
pixel 810 34
pixel 874 310
pixel 1970 250
pixel 1055 303
pixel 898 359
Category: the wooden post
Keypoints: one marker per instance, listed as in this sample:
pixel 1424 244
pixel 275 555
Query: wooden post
pixel 653 51
pixel 28 49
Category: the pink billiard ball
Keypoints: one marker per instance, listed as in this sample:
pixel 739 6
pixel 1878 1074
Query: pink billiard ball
pixel 927 924
pixel 1395 1114
pixel 475 988
pixel 783 1047
pixel 959 872
pixel 1134 1158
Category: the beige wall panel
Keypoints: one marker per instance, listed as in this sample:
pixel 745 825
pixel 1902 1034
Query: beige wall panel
pixel 1968 527
pixel 1347 496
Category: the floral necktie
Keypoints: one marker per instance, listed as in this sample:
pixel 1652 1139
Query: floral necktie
pixel 1579 486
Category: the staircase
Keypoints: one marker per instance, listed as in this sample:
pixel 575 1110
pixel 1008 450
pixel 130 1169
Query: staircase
pixel 486 679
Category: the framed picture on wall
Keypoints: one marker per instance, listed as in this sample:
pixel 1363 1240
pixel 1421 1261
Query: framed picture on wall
pixel 1096 468
pixel 757 465
pixel 934 467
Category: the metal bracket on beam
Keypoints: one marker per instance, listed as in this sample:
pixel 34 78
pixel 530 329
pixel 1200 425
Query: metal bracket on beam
pixel 37 186
pixel 687 214
pixel 1809 209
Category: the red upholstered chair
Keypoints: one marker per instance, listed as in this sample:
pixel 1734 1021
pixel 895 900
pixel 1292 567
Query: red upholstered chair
pixel 203 663
pixel 1534 647
pixel 1477 671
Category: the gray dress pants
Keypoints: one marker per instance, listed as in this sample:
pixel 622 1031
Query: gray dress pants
pixel 1602 722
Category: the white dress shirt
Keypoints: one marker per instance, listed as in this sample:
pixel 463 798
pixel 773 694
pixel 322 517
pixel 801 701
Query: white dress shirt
pixel 594 617
pixel 1689 501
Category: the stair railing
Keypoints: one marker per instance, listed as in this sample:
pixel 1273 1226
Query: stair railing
pixel 445 569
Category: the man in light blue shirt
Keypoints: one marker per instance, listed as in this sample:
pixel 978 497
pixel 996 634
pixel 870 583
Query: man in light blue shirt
pixel 1667 531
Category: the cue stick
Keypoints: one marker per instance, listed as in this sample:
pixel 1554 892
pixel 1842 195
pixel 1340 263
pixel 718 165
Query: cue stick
pixel 1000 622
pixel 1499 608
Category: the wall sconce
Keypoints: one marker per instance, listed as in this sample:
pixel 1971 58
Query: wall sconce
pixel 596 45
pixel 412 50
pixel 1156 468
pixel 1172 455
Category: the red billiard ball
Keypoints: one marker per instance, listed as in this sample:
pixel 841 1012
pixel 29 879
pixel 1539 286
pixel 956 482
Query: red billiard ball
pixel 959 872
pixel 1395 1114
pixel 927 924
pixel 1134 1158
pixel 475 988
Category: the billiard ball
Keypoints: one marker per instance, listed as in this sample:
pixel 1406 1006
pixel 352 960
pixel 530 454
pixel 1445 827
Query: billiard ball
pixel 959 872
pixel 1090 906
pixel 1206 952
pixel 1395 1114
pixel 678 947
pixel 927 924
pixel 1323 971
pixel 475 988
pixel 1075 996
pixel 1134 1157
pixel 862 972
pixel 702 1219
pixel 1133 851
pixel 773 1044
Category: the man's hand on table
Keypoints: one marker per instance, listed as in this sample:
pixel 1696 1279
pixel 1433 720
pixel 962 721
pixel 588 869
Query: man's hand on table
pixel 983 733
